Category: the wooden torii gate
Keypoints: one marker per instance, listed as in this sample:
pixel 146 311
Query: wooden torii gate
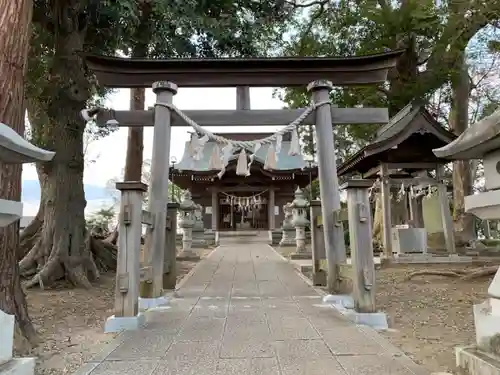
pixel 319 75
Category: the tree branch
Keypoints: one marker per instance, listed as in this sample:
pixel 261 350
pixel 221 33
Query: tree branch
pixel 453 40
pixel 295 4
pixel 41 15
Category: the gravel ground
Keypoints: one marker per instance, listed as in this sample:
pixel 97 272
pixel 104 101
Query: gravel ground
pixel 429 315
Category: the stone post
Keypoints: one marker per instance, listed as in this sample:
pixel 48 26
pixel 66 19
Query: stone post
pixel 270 214
pixel 170 263
pixel 299 210
pixel 215 207
pixel 288 230
pixel 186 222
pixel 127 316
pixel 317 245
pixel 158 197
pixel 360 234
pixel 444 203
pixel 198 228
pixel 329 185
pixel 385 191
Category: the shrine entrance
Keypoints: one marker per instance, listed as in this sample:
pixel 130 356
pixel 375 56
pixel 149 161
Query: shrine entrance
pixel 240 212
pixel 213 159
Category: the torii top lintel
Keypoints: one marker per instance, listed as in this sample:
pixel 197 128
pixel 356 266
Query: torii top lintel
pixel 120 72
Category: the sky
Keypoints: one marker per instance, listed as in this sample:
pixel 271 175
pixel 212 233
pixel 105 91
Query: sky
pixel 109 152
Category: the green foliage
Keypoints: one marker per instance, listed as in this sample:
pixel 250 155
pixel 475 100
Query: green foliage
pixel 174 191
pixel 168 29
pixel 430 33
pixel 100 222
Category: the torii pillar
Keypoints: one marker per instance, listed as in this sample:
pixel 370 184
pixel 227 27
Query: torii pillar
pixel 151 290
pixel 329 185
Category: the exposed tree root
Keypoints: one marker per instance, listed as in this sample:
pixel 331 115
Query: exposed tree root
pixel 112 238
pixel 29 236
pixel 480 272
pixel 461 274
pixel 43 267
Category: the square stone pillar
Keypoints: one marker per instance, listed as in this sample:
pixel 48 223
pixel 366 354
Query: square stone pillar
pixel 170 262
pixel 271 203
pixel 317 244
pixel 385 196
pixel 215 209
pixel 126 307
pixel 444 203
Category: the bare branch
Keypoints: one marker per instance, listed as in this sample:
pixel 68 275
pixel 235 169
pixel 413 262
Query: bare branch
pixel 295 4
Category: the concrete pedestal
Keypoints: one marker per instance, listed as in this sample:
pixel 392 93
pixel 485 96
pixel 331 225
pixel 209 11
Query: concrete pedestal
pixel 9 365
pixel 209 236
pixel 484 357
pixel 345 305
pixel 199 239
pixel 151 303
pixel 124 323
pixel 288 237
pixel 472 361
pixel 274 237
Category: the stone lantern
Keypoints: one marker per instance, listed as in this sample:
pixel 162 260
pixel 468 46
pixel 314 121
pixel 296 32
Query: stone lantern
pixel 288 230
pixel 14 149
pixel 186 222
pixel 299 208
pixel 482 141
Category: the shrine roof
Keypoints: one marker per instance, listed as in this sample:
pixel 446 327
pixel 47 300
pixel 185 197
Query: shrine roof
pixel 414 127
pixel 284 161
pixel 122 72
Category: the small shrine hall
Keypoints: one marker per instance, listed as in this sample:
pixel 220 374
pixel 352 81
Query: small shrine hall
pixel 238 203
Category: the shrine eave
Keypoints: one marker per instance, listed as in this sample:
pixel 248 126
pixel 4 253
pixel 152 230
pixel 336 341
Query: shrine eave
pixel 411 120
pixel 118 72
pixel 476 141
pixel 267 172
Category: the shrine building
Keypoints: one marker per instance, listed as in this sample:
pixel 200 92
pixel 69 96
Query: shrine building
pixel 243 203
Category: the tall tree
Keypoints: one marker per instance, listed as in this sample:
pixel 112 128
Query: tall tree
pixel 15 19
pixel 135 141
pixel 433 36
pixel 60 87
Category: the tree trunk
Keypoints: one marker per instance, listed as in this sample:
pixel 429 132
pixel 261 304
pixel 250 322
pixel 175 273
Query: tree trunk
pixel 64 248
pixel 135 141
pixel 15 20
pixel 462 176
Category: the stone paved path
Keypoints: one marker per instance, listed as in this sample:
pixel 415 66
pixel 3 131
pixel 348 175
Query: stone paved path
pixel 246 311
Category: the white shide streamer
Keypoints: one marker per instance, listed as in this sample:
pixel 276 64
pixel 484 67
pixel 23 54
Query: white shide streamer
pixel 197 144
pixel 243 168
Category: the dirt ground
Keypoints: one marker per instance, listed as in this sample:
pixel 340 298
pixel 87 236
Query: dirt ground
pixel 429 315
pixel 70 322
